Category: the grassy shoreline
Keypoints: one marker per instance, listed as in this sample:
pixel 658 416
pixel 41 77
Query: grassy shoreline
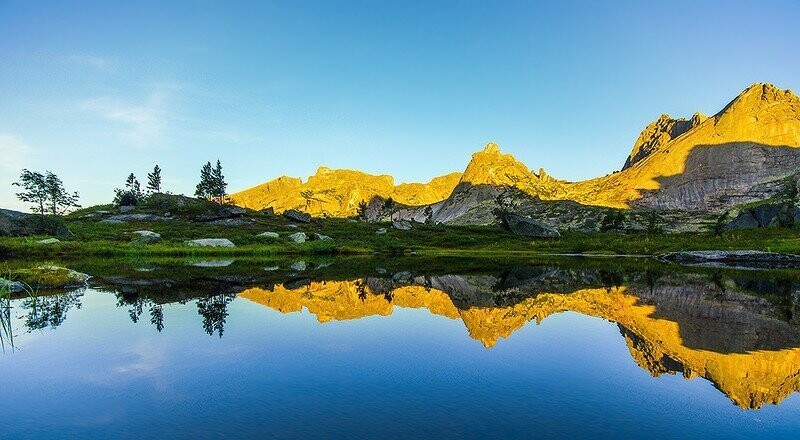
pixel 94 239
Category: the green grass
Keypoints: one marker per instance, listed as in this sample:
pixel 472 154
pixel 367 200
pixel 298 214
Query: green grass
pixel 92 238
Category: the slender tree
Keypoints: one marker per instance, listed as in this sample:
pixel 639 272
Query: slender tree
pixel 219 185
pixel 132 194
pixel 60 200
pixel 205 187
pixel 154 180
pixel 46 192
pixel 34 191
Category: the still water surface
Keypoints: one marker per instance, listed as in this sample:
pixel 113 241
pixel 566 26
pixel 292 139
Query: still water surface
pixel 343 349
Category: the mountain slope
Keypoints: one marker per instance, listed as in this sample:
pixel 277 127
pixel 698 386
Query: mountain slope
pixel 739 155
pixel 747 152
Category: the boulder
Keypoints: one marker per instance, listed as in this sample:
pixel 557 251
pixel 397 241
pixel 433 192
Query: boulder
pixel 49 241
pixel 214 212
pixel 210 242
pixel 745 220
pixel 529 228
pixel 51 277
pixel 17 223
pixel 321 237
pixel 269 234
pixel 298 237
pixel 381 231
pixel 11 286
pixel 402 277
pixel 403 225
pixel 212 263
pixel 146 237
pixel 125 209
pixel 293 214
pixel 298 266
pixel 268 211
pixel 112 221
pixel 766 214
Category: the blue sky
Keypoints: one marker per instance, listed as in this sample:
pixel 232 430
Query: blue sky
pixel 96 90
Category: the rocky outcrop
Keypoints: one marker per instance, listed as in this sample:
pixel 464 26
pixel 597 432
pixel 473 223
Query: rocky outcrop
pixel 529 228
pixel 656 135
pixel 297 216
pixel 16 223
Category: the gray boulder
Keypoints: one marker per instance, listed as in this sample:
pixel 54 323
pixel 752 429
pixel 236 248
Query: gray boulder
pixel 49 241
pixel 210 242
pixel 529 228
pixel 126 209
pixel 381 231
pixel 298 237
pixel 269 234
pixel 298 266
pixel 146 237
pixel 403 225
pixel 11 286
pixel 17 223
pixel 745 220
pixel 321 237
pixel 220 212
pixel 293 214
pixel 766 215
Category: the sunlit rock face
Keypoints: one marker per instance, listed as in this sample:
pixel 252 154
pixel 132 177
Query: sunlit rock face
pixel 740 155
pixel 338 193
pixel 745 153
pixel 692 325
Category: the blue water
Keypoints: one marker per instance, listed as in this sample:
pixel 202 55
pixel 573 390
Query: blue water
pixel 412 373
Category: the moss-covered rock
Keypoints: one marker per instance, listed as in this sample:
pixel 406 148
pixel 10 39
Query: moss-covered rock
pixel 50 277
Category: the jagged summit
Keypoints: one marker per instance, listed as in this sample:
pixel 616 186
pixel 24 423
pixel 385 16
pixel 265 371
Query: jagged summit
pixel 743 154
pixel 491 167
pixel 491 148
pixel 658 133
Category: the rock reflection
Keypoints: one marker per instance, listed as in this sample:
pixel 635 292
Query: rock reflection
pixel 689 324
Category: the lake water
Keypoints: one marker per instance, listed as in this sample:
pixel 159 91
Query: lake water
pixel 406 347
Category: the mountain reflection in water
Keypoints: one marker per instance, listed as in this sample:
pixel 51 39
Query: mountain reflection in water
pixel 734 329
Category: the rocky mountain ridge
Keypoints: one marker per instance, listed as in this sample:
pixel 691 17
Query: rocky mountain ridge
pixel 747 152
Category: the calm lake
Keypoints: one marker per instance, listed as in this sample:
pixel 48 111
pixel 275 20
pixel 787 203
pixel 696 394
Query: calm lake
pixel 369 347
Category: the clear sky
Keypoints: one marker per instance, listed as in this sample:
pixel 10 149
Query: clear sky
pixel 96 90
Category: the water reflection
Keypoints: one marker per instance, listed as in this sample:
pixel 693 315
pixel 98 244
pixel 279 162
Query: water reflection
pixel 739 330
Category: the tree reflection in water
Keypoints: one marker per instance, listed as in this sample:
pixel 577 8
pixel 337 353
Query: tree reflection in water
pixel 214 310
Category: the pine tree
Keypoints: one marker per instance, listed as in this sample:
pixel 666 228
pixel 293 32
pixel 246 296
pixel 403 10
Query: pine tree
pixel 219 191
pixel 205 187
pixel 131 195
pixel 154 180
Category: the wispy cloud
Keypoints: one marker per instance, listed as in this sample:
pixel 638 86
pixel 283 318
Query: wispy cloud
pixel 92 61
pixel 14 152
pixel 143 123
